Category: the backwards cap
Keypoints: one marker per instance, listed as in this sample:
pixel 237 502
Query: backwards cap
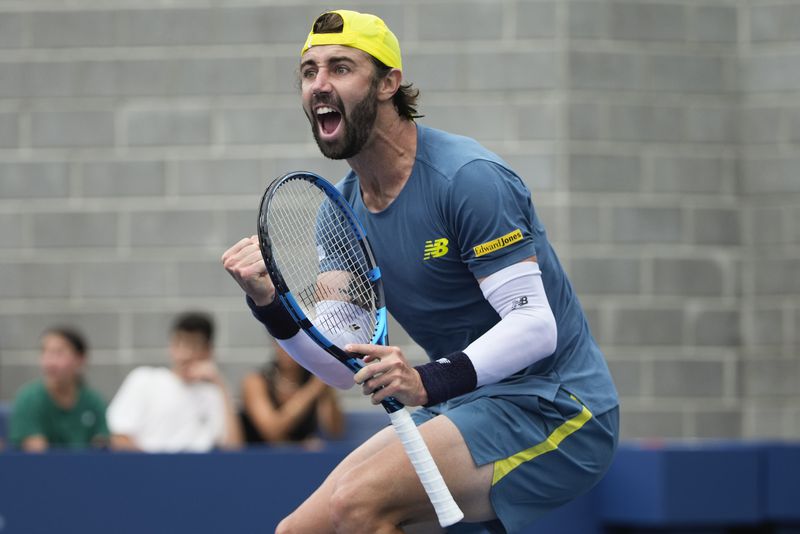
pixel 363 31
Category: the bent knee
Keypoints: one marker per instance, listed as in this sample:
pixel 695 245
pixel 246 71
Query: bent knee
pixel 283 527
pixel 288 526
pixel 345 508
pixel 354 507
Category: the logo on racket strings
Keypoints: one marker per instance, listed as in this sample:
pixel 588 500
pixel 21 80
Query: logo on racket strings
pixel 436 248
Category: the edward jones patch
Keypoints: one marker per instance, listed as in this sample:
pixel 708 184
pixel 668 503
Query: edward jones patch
pixel 497 244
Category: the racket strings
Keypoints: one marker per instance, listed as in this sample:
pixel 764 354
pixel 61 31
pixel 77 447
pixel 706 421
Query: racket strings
pixel 321 260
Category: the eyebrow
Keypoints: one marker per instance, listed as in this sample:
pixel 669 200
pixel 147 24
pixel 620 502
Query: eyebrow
pixel 331 60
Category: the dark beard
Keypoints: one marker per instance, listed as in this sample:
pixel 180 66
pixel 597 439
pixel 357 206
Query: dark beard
pixel 357 127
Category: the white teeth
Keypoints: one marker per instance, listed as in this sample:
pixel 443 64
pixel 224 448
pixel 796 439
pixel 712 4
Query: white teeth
pixel 324 109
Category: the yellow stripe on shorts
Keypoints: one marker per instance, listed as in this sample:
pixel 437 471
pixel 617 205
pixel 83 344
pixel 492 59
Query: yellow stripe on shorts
pixel 504 467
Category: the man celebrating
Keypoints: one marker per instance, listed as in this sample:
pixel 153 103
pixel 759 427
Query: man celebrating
pixel 519 410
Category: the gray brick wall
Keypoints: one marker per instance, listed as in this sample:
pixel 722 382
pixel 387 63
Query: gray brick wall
pixel 770 192
pixel 659 138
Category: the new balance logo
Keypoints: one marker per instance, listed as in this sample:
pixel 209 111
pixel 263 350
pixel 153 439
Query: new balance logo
pixel 436 248
pixel 518 303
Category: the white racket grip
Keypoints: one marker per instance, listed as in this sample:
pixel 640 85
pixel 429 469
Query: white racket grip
pixel 446 508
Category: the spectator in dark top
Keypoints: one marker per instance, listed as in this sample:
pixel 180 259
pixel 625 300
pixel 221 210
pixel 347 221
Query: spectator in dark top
pixel 285 403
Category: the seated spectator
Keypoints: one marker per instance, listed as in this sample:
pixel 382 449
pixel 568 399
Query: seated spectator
pixel 59 409
pixel 285 403
pixel 186 407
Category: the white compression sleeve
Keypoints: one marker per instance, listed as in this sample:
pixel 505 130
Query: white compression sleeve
pixel 300 346
pixel 526 331
pixel 307 353
pixel 355 328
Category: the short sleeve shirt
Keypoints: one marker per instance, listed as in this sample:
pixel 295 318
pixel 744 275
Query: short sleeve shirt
pixel 463 215
pixel 163 413
pixel 36 413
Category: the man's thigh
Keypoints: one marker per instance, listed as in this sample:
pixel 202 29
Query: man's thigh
pixel 380 476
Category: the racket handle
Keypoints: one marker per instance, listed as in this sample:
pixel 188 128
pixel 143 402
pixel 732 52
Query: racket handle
pixel 446 508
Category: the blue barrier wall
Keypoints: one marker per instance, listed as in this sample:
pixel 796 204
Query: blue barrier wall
pixel 138 493
pixel 782 483
pixel 684 485
pixel 707 488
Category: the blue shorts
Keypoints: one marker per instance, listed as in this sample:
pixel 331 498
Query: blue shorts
pixel 545 453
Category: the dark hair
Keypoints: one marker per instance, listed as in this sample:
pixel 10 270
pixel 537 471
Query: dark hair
pixel 329 23
pixel 73 336
pixel 405 99
pixel 195 323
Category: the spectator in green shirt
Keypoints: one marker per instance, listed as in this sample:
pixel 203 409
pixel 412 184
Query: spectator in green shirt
pixel 59 410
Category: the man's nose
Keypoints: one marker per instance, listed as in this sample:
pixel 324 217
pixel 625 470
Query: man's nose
pixel 321 82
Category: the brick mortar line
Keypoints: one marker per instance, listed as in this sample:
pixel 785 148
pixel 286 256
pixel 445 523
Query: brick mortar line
pixel 202 152
pixel 544 96
pixel 642 48
pixel 264 100
pixel 263 50
pixel 157 5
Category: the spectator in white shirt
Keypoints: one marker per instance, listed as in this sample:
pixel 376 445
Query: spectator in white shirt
pixel 184 408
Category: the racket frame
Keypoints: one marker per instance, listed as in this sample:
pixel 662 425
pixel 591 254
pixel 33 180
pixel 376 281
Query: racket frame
pixel 284 293
pixel 447 510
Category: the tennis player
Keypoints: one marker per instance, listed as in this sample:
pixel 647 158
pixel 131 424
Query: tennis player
pixel 518 407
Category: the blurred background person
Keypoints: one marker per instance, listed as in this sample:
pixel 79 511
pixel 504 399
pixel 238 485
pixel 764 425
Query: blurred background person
pixel 186 407
pixel 59 409
pixel 283 402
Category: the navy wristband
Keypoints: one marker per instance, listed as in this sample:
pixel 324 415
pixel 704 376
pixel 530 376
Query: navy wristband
pixel 447 377
pixel 275 317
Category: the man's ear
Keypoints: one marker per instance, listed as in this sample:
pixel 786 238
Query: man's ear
pixel 389 85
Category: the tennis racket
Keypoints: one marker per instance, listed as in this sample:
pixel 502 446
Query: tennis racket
pixel 324 273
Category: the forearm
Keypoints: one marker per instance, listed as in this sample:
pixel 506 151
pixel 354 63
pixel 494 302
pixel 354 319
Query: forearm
pixel 525 334
pixel 233 430
pixel 300 346
pixel 123 442
pixel 36 443
pixel 330 416
pixel 290 414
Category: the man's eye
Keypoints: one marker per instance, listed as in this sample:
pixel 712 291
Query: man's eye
pixel 309 73
pixel 342 69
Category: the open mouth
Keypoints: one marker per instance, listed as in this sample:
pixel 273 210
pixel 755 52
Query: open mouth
pixel 328 119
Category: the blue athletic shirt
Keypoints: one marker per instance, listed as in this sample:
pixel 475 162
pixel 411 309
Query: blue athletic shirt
pixel 464 214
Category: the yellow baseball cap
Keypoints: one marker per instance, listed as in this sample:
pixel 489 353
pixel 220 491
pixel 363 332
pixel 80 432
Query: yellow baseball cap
pixel 363 31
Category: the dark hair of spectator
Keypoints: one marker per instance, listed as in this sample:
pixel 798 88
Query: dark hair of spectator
pixel 195 323
pixel 74 337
